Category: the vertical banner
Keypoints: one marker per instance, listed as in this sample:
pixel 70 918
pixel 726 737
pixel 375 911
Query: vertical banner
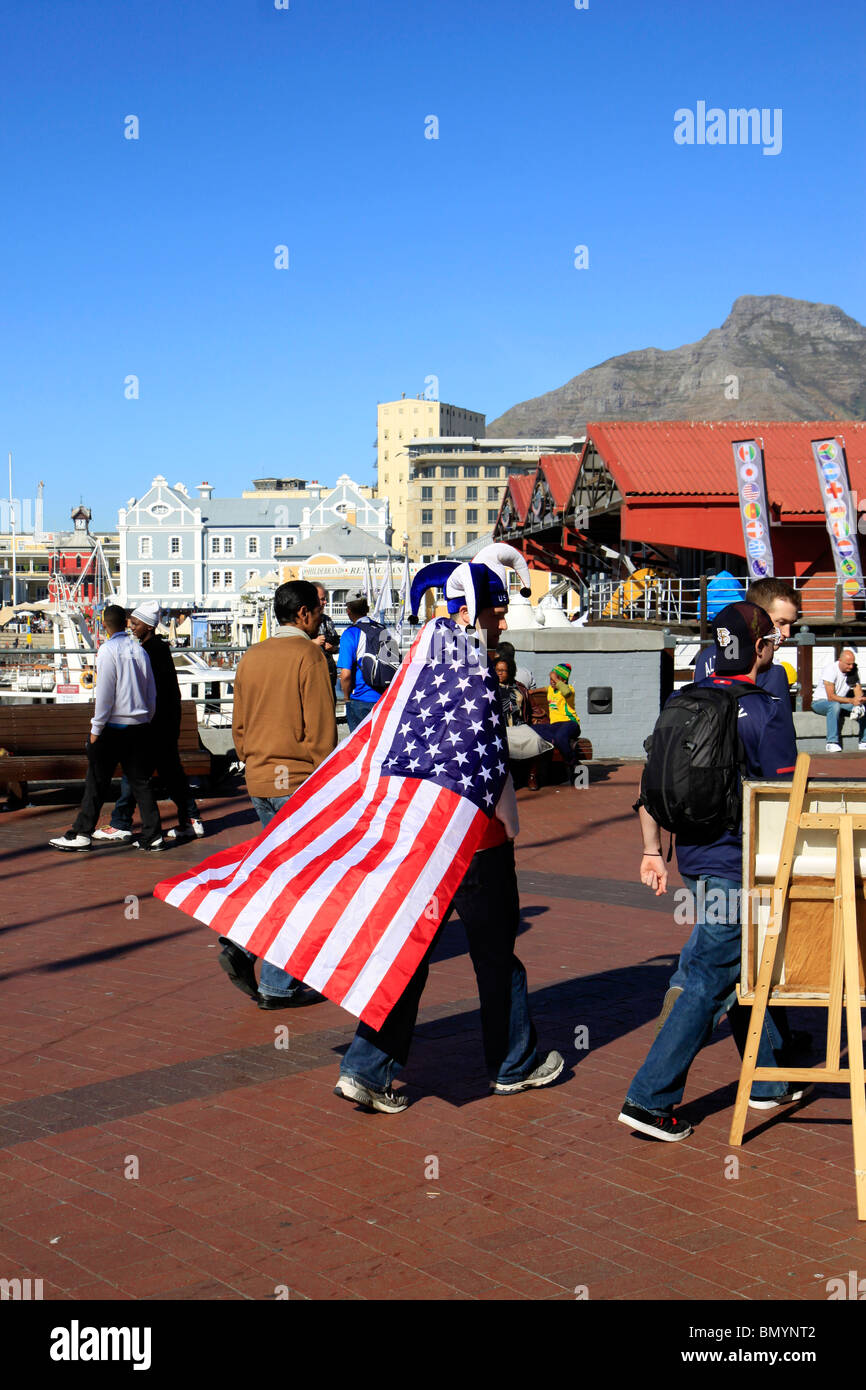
pixel 754 512
pixel 841 521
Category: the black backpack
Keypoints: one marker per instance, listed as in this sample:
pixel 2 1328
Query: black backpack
pixel 695 763
pixel 378 654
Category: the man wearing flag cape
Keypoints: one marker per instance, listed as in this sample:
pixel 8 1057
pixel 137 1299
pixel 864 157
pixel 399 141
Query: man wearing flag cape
pixel 349 885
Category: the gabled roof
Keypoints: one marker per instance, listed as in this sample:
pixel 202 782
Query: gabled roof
pixel 560 470
pixel 695 458
pixel 343 539
pixel 520 486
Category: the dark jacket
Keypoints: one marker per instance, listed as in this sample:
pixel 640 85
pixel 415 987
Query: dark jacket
pixel 166 720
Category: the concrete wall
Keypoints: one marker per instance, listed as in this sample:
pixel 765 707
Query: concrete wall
pixel 631 660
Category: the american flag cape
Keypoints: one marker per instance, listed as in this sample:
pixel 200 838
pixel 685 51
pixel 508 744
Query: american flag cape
pixel 349 883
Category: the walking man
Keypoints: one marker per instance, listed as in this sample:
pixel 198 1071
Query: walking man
pixel 284 726
pixel 487 900
pixel 165 729
pixel 120 732
pixel 359 696
pixel 712 872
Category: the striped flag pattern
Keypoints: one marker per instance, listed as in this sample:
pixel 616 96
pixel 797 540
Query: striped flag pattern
pixel 348 884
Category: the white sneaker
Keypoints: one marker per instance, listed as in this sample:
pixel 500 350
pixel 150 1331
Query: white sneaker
pixel 834 748
pixel 198 827
pixel 70 841
pixel 183 832
pixel 113 836
pixel 861 747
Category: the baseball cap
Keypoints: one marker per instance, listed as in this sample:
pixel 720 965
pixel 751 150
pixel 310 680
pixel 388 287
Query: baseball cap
pixel 736 629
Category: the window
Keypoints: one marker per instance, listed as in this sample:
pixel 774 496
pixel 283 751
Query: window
pixel 215 545
pixel 175 545
pixel 472 494
pixel 228 545
pixel 471 536
pixel 492 471
pixel 471 470
pixel 449 472
pixel 450 494
pixel 427 516
pixel 145 547
pixel 251 574
pixel 450 516
pixel 472 516
pixel 492 514
pixel 252 545
pixel 281 543
pixel 176 579
pixel 493 494
pixel 228 579
pixel 146 580
pixel 426 537
pixel 216 579
pixel 426 494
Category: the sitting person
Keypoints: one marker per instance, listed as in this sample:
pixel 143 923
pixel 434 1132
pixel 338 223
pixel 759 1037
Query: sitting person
pixel 563 727
pixel 524 742
pixel 838 692
pixel 523 673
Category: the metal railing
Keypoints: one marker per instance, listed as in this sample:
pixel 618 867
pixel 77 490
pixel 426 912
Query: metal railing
pixel 685 602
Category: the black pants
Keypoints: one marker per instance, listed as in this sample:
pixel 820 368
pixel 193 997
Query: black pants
pixel 132 747
pixel 169 771
pixel 488 905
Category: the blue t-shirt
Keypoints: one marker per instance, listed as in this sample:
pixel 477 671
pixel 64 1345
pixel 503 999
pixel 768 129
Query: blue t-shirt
pixel 347 661
pixel 773 679
pixel 766 729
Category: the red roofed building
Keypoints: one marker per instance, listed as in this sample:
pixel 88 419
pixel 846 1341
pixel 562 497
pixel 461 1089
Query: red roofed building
pixel 664 494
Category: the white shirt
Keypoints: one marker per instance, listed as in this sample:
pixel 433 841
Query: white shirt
pixel 841 681
pixel 125 688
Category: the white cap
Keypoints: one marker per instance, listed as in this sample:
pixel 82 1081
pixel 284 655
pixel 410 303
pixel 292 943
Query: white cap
pixel 147 612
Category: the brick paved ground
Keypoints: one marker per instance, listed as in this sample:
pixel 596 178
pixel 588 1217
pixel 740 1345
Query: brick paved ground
pixel 123 1046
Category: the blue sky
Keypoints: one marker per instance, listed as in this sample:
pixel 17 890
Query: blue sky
pixel 408 256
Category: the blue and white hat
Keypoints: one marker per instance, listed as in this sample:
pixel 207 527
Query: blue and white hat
pixel 480 583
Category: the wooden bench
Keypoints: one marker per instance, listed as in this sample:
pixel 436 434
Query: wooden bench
pixel 47 743
pixel 541 715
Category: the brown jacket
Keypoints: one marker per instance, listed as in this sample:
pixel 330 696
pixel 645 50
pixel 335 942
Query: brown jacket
pixel 283 719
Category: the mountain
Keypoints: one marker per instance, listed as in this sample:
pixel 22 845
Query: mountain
pixel 792 360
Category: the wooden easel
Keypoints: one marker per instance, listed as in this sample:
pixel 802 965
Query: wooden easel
pixel 844 974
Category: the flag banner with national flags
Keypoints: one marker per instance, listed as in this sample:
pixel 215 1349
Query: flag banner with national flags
pixel 754 512
pixel 842 520
pixel 348 884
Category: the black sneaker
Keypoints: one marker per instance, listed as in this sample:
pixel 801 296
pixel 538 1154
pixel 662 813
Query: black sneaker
pixel 389 1102
pixel 298 999
pixel 789 1097
pixel 666 1127
pixel 238 966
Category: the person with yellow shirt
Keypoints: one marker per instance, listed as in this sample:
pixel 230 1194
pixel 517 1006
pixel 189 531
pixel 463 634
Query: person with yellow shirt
pixel 563 726
pixel 560 696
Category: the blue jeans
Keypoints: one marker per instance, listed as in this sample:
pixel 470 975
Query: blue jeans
pixel 713 968
pixel 356 710
pixel 488 905
pixel 272 980
pixel 835 713
pixel 776 1019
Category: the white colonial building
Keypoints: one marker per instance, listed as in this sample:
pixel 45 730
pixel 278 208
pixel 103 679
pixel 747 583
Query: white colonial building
pixel 197 552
